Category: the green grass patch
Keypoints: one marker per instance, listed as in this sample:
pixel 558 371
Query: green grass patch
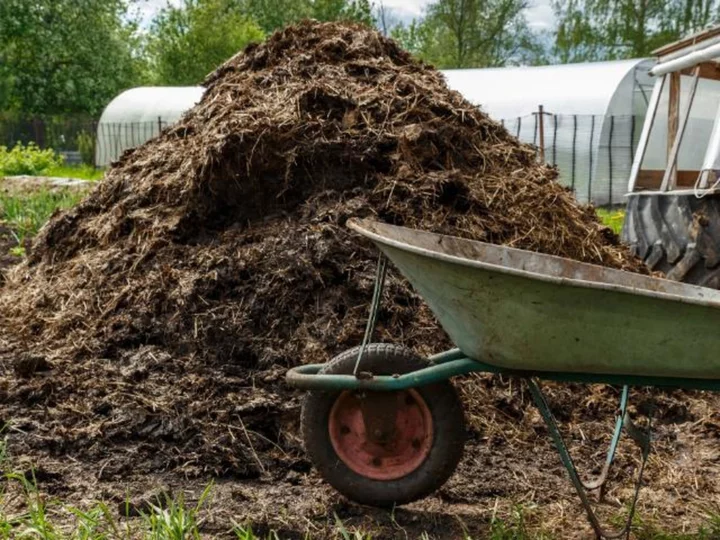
pixel 81 172
pixel 612 218
pixel 49 519
pixel 26 213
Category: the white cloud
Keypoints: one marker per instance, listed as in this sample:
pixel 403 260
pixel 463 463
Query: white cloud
pixel 414 7
pixel 147 9
pixel 540 15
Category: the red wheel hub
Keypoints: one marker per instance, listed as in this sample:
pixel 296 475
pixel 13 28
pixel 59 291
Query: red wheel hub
pixel 392 454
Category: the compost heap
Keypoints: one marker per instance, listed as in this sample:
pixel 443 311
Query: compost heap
pixel 151 326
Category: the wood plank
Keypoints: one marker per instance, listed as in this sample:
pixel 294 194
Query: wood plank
pixel 708 70
pixel 670 177
pixel 673 115
pixel 652 179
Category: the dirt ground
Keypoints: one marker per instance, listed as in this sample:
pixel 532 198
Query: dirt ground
pixel 510 470
pixel 15 185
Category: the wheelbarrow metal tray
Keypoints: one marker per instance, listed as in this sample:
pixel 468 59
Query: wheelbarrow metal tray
pixel 526 311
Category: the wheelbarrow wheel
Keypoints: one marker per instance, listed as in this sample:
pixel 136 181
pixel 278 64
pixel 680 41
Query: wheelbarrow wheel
pixel 384 448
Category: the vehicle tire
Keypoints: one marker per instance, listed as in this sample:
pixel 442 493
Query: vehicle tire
pixel 423 451
pixel 677 234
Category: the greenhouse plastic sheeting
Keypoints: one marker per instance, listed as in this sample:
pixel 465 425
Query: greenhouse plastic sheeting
pixel 140 114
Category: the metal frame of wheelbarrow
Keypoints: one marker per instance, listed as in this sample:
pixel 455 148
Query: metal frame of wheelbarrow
pixel 454 362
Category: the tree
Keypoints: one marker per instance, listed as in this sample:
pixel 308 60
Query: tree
pixel 472 33
pixel 188 42
pixel 65 56
pixel 275 14
pixel 385 18
pixel 342 10
pixel 591 30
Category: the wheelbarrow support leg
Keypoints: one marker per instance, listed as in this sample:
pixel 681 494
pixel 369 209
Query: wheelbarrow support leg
pixel 601 480
pixel 642 438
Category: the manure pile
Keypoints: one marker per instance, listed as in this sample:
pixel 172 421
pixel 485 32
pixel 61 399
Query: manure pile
pixel 151 326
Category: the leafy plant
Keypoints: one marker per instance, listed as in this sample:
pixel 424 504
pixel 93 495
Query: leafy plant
pixel 612 218
pixel 176 521
pixel 29 160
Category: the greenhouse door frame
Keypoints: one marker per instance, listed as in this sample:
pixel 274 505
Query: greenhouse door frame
pixel 671 178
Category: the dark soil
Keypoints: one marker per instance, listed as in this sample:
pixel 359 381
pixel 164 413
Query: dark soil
pixel 147 336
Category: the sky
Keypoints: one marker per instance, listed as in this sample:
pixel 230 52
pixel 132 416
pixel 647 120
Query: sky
pixel 539 14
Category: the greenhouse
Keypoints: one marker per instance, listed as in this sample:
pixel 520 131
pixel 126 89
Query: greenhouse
pixel 138 115
pixel 592 117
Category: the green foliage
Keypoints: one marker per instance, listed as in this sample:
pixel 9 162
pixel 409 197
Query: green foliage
pixel 42 515
pixel 28 160
pixel 347 535
pixel 472 33
pixel 65 56
pixel 514 527
pixel 612 218
pixel 25 214
pixel 590 30
pixel 342 10
pixel 274 14
pixel 174 521
pixel 188 42
pixel 86 146
pixel 245 532
pixel 18 251
pixel 81 172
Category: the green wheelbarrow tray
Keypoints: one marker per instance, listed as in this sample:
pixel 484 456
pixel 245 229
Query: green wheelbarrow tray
pixel 526 311
pixel 511 310
pixel 530 315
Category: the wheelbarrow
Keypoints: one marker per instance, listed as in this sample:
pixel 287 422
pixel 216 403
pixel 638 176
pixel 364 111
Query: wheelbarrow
pixel 385 427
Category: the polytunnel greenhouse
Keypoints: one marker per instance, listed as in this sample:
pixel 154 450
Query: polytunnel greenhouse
pixel 593 115
pixel 138 115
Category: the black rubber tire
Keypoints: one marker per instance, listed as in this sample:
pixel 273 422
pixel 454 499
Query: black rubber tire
pixel 448 431
pixel 677 234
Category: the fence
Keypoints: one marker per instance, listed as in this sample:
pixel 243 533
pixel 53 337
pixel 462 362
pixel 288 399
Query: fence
pixel 593 153
pixel 73 136
pixel 114 138
pixel 78 138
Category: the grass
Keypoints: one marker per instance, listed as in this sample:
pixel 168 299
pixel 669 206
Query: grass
pixel 48 519
pixel 612 218
pixel 26 213
pixel 81 172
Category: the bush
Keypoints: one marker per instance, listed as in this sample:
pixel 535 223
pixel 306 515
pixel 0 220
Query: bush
pixel 86 146
pixel 28 159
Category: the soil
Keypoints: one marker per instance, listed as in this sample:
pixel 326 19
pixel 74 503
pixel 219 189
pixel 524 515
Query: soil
pixel 18 185
pixel 145 340
pixel 509 467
